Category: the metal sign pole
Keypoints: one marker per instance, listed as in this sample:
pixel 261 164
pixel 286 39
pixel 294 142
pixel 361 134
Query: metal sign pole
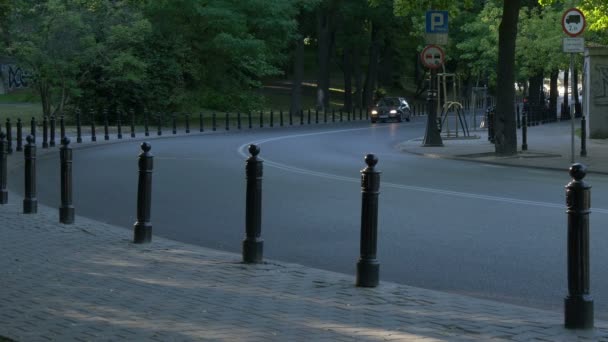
pixel 572 90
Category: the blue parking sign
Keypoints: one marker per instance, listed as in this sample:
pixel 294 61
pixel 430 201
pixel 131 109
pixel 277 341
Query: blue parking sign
pixel 437 22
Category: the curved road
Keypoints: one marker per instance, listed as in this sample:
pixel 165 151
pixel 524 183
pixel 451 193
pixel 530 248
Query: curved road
pixel 477 229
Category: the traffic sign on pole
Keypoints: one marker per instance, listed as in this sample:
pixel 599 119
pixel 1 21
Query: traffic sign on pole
pixel 432 56
pixel 573 22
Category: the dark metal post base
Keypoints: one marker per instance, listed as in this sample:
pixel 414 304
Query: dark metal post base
pixel 253 250
pixel 578 312
pixel 30 206
pixel 368 273
pixel 66 215
pixel 142 232
pixel 3 197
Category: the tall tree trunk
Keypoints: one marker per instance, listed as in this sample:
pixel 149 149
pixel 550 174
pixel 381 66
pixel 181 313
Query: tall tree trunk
pixel 577 103
pixel 505 127
pixel 553 94
pixel 348 74
pixel 372 68
pixel 534 99
pixel 566 107
pixel 324 34
pixel 298 74
pixel 358 75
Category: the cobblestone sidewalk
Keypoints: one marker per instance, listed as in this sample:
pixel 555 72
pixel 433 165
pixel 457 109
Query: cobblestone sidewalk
pixel 88 282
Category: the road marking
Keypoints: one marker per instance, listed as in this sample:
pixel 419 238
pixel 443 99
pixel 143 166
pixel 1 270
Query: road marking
pixel 243 148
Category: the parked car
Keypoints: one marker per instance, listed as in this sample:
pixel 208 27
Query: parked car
pixel 391 108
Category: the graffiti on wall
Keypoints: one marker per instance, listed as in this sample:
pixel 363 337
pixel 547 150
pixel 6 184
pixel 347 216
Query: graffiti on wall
pixel 14 77
pixel 600 86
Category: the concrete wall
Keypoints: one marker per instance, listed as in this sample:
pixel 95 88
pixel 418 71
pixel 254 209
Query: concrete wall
pixel 595 95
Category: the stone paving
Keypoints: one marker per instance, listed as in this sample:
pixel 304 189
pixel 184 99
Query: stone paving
pixel 88 282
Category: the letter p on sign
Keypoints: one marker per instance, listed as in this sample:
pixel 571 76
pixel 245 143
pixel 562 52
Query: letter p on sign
pixel 437 22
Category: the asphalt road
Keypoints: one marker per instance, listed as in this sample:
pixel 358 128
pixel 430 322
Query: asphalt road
pixel 477 229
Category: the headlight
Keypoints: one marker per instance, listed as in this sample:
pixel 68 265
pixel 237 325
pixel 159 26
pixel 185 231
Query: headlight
pixel 393 111
pixel 374 112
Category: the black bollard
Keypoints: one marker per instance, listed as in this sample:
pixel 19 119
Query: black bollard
pixel 174 124
pixel 524 131
pixel 159 124
pixel 290 117
pixel 227 121
pixel 281 117
pixel 578 305
pixel 583 137
pixel 66 210
pixel 187 117
pixel 333 115
pixel 142 229
pixel 78 127
pixel 33 128
pixel 308 116
pixel 45 132
pixel 271 118
pixel 360 113
pixel 118 124
pixel 249 118
pixel 9 137
pixel 238 120
pixel 324 115
pixel 253 245
pixel 3 169
pixel 341 116
pixel 301 117
pixel 317 116
pixel 93 136
pixel 19 135
pixel 213 123
pixel 106 131
pixel 61 126
pixel 52 131
pixel 132 112
pixel 518 120
pixel 200 122
pixel 368 268
pixel 30 203
pixel 348 115
pixel 261 118
pixel 146 124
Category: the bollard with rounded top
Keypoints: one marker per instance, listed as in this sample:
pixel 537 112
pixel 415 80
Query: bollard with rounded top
pixel 524 131
pixel 578 305
pixel 227 121
pixel 78 127
pixel 3 169
pixel 281 122
pixel 33 128
pixel 583 137
pixel 93 136
pixel 261 118
pixel 45 132
pixel 142 229
pixel 61 126
pixel 66 210
pixel 253 245
pixel 159 124
pixel 187 116
pixel 132 112
pixel 9 136
pixel 146 126
pixel 30 202
pixel 174 123
pixel 200 123
pixel 271 118
pixel 106 132
pixel 368 268
pixel 213 122
pixel 19 135
pixel 118 124
pixel 52 131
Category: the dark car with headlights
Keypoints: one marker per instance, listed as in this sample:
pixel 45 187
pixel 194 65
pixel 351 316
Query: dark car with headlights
pixel 391 108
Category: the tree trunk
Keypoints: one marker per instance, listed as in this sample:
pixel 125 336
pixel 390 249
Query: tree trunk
pixel 298 74
pixel 348 74
pixel 372 69
pixel 358 101
pixel 324 33
pixel 577 103
pixel 534 99
pixel 505 127
pixel 566 107
pixel 553 94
